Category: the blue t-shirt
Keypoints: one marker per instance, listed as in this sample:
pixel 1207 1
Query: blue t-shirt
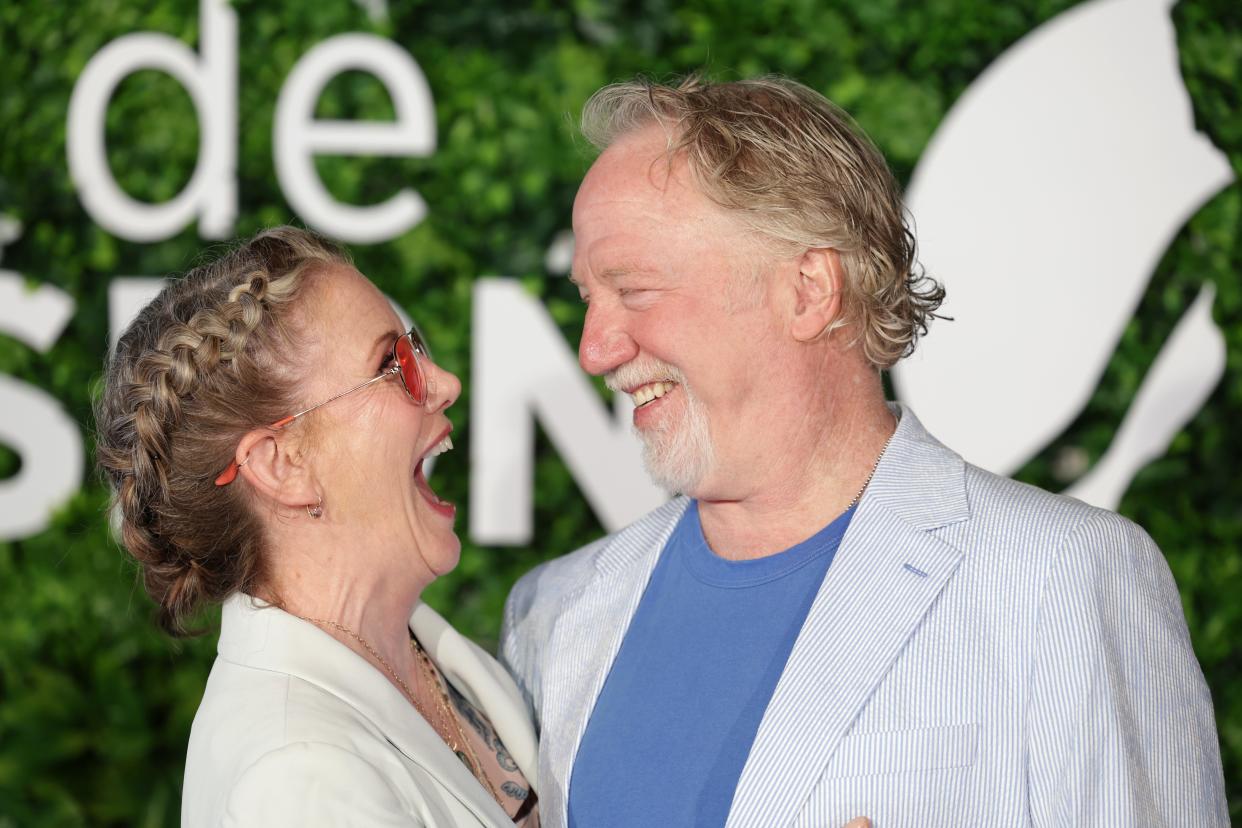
pixel 675 720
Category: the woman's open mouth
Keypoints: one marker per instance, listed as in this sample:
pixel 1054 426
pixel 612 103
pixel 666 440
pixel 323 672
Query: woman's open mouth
pixel 445 443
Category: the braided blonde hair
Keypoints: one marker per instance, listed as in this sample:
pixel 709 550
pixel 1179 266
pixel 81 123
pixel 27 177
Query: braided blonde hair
pixel 205 362
pixel 795 168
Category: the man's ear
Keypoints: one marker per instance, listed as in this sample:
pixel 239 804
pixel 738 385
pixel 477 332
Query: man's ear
pixel 275 471
pixel 817 292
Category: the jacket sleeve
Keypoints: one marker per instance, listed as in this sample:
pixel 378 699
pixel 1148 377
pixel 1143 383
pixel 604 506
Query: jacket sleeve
pixel 313 783
pixel 1120 722
pixel 517 651
pixel 531 613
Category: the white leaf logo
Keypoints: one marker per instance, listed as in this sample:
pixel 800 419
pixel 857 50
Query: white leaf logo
pixel 1044 203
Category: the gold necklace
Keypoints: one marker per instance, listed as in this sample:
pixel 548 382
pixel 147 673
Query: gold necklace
pixel 871 474
pixel 470 759
pixel 448 722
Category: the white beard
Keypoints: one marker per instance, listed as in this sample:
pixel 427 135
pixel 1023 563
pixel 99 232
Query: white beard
pixel 679 455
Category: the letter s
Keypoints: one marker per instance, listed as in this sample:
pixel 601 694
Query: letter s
pixel 34 423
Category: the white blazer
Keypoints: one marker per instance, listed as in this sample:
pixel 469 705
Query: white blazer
pixel 296 729
pixel 980 653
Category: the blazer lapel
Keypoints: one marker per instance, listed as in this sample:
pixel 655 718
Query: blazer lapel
pixel 264 636
pixel 884 578
pixel 585 639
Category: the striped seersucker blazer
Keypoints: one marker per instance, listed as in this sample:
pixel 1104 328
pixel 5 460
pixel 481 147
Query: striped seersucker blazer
pixel 980 653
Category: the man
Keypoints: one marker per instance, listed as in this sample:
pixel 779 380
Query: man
pixel 844 617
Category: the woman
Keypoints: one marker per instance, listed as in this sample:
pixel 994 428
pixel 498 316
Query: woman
pixel 263 426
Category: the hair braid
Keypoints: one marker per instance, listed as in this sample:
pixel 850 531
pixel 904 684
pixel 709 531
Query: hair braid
pixel 201 365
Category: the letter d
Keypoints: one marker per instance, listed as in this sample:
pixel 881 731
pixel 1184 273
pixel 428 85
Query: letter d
pixel 211 193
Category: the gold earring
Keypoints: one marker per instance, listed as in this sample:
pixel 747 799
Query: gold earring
pixel 316 511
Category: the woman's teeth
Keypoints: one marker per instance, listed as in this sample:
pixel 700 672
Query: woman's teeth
pixel 440 447
pixel 651 391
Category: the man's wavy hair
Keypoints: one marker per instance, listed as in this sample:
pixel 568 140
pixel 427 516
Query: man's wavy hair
pixel 797 170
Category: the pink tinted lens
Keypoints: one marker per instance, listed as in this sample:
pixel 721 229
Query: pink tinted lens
pixel 411 371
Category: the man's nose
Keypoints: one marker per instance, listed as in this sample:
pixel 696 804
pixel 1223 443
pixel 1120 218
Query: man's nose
pixel 605 342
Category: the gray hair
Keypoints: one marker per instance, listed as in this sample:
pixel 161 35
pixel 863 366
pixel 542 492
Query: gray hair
pixel 798 171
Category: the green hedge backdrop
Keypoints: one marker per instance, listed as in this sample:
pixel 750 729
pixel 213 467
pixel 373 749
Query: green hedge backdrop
pixel 95 705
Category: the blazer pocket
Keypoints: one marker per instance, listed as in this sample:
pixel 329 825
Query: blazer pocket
pixel 905 751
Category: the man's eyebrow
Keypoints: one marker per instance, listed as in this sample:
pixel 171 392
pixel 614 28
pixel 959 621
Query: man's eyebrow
pixel 611 274
pixel 619 271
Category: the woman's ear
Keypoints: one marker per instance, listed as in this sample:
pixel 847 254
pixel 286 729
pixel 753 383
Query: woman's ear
pixel 817 290
pixel 275 470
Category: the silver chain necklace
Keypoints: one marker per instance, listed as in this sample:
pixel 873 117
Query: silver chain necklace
pixel 874 466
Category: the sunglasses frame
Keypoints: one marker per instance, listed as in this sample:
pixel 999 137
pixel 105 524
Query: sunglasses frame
pixel 418 344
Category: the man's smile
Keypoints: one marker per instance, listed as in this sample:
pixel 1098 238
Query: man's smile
pixel 644 394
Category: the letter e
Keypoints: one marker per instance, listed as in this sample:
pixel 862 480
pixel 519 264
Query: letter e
pixel 298 136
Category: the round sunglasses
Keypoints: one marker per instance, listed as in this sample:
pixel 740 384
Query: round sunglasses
pixel 407 355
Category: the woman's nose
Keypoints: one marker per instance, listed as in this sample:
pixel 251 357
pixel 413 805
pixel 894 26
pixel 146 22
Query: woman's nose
pixel 444 387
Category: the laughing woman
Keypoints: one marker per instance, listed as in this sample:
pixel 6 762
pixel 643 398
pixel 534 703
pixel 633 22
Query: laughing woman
pixel 263 427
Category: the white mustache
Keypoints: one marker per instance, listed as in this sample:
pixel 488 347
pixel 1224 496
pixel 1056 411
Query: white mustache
pixel 640 372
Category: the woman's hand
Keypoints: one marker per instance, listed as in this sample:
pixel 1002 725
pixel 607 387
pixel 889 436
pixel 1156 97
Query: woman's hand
pixel 858 822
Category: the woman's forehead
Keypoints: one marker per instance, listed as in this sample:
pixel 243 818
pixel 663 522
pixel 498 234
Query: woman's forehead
pixel 350 309
pixel 345 291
